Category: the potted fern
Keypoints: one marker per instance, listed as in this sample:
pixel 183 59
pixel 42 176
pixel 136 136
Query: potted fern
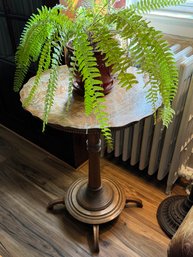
pixel 95 28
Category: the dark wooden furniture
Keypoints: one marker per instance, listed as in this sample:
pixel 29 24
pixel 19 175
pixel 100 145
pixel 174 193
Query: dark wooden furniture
pixel 181 245
pixel 173 209
pixel 91 200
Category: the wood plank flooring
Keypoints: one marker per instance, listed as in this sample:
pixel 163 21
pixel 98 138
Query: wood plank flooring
pixel 31 177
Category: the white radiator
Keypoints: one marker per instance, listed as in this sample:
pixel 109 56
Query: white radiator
pixel 154 148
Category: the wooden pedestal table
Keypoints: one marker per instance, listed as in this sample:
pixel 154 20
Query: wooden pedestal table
pixel 92 200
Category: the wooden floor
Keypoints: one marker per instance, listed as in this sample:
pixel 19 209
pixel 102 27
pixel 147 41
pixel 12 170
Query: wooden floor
pixel 30 178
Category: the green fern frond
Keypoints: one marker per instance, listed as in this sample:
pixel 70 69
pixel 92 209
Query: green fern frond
pixel 58 48
pixel 167 114
pixel 150 51
pixel 145 6
pixel 31 42
pixel 70 89
pixel 115 56
pixel 44 64
pixel 94 96
pixel 40 27
pixel 27 54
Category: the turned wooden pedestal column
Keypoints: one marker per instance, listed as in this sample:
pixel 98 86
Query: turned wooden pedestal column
pixel 95 200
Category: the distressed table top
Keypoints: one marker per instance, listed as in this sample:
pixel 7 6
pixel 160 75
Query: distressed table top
pixel 123 106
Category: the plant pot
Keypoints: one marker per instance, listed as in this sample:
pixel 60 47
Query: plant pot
pixel 106 77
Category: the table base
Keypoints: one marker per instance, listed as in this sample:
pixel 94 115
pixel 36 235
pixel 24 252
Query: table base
pixel 95 207
pixel 172 211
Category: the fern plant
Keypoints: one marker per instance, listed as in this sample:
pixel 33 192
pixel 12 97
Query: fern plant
pixel 94 26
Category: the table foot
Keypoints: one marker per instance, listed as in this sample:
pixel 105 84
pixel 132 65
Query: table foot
pixel 171 213
pixel 52 203
pixel 95 207
pixel 137 201
pixel 96 238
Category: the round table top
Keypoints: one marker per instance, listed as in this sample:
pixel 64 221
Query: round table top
pixel 123 106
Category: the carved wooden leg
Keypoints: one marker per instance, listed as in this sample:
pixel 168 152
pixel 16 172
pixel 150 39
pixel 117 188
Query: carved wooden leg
pixel 96 238
pixel 133 200
pixel 52 203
